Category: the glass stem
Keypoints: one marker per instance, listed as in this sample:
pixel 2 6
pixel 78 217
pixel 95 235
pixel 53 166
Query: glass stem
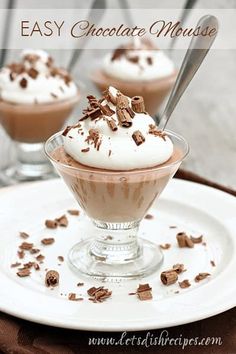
pixel 31 160
pixel 116 242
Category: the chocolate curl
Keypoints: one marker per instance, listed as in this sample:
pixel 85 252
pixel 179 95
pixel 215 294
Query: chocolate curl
pixel 121 100
pixel 112 125
pixel 137 104
pixel 138 137
pixel 106 110
pixel 201 276
pixel 184 241
pixel 124 117
pixel 52 278
pixel 169 277
pixel 109 97
pixel 178 268
pixel 144 292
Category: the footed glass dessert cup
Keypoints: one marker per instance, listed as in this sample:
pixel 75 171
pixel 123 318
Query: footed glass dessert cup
pixel 116 202
pixel 29 126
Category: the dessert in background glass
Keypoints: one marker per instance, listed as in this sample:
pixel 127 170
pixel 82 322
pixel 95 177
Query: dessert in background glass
pixel 116 163
pixel 138 68
pixel 36 99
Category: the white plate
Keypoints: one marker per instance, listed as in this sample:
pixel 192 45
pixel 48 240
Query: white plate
pixel 192 207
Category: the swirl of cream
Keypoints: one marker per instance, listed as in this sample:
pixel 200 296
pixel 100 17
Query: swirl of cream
pixel 117 150
pixel 39 85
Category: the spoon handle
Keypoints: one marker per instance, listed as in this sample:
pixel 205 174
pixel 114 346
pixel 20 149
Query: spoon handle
pixel 197 50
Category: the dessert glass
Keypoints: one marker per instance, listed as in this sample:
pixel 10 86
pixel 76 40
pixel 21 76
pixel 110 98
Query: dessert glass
pixel 29 126
pixel 116 202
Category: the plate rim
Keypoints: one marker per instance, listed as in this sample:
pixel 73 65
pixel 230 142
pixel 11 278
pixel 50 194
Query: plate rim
pixel 129 326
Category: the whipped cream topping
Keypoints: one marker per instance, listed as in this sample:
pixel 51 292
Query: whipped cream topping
pixel 104 142
pixel 35 79
pixel 140 62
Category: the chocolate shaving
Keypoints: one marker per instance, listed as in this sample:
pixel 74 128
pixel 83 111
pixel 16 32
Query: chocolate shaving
pixel 62 221
pixel 109 97
pixel 112 124
pixel 144 292
pixel 148 217
pixel 72 297
pixel 166 246
pixel 66 131
pixel 137 103
pixel 184 284
pixel 106 110
pixel 121 100
pixel 51 224
pixel 149 61
pixel 179 268
pixel 40 258
pixel 33 73
pixel 94 138
pixel 98 294
pixel 48 241
pixel 34 250
pixel 21 254
pixel 184 241
pixel 16 68
pixel 26 246
pixel 134 59
pixel 60 258
pixel 169 277
pixel 12 76
pixel 154 131
pixel 73 212
pixel 213 264
pixel 138 137
pixel 23 83
pixel 36 266
pixel 52 278
pixel 124 117
pixel 53 95
pixel 80 284
pixel 23 273
pixel 85 150
pixel 201 276
pixel 24 235
pixel 14 265
pixel 196 239
pixel 118 53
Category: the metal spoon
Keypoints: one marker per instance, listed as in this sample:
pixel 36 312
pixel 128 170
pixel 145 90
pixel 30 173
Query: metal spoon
pixel 197 50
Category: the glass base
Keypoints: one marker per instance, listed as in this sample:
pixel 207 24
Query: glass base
pixel 148 259
pixel 24 173
pixel 31 164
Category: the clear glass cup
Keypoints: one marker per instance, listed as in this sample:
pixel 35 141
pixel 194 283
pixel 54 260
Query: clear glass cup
pixel 116 202
pixel 29 126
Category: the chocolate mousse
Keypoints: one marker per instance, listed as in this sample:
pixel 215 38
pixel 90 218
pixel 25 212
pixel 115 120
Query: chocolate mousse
pixel 115 160
pixel 138 69
pixel 36 97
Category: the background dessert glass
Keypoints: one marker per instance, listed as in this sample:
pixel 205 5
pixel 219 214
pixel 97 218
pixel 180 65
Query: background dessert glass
pixel 138 68
pixel 29 126
pixel 116 202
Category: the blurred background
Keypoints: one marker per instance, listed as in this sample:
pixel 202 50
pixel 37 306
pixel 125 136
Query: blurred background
pixel 206 115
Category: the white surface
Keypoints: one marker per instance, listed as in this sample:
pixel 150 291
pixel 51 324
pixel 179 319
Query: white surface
pixel 192 207
pixel 125 154
pixel 126 70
